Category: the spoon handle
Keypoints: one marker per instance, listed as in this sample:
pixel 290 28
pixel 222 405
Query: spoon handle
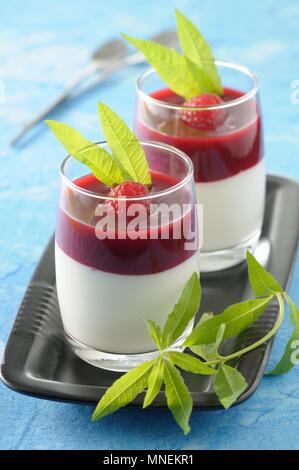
pixel 86 72
pixel 132 59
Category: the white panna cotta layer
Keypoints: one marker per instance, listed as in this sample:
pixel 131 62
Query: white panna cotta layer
pixel 108 311
pixel 233 208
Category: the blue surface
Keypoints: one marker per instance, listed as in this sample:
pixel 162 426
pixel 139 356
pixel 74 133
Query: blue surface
pixel 41 48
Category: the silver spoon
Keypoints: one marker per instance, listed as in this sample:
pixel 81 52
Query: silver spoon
pixel 101 59
pixel 108 53
pixel 166 38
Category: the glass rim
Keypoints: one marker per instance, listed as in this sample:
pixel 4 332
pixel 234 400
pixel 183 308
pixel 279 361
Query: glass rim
pixel 230 65
pixel 153 144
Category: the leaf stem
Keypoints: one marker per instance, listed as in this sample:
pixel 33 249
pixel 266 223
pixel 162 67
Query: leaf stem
pixel 260 341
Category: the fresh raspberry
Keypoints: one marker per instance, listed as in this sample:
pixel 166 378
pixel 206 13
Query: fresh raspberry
pixel 127 189
pixel 205 120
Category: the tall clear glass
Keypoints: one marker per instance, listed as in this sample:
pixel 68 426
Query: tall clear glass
pixel 112 278
pixel 228 160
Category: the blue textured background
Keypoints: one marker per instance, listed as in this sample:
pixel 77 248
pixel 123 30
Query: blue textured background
pixel 41 48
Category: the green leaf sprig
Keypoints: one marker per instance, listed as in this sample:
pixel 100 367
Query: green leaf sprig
pixel 127 161
pixel 188 74
pixel 205 343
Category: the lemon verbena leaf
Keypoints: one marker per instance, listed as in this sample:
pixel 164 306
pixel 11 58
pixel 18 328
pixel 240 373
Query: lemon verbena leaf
pixel 229 384
pixel 209 352
pixel 123 390
pixel 171 66
pixel 100 162
pixel 125 147
pixel 290 357
pixel 198 51
pixel 236 318
pixel 178 397
pixel 155 332
pixel 155 382
pixel 183 312
pixel 262 282
pixel 189 363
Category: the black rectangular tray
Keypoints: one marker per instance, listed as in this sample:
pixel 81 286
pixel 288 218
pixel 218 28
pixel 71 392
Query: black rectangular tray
pixel 38 361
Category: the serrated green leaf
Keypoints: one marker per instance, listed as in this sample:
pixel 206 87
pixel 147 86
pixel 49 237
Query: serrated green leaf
pixel 229 384
pixel 183 312
pixel 97 159
pixel 294 311
pixel 290 356
pixel 205 316
pixel 170 65
pixel 236 318
pixel 286 363
pixel 189 363
pixel 262 282
pixel 201 76
pixel 197 50
pixel 155 332
pixel 123 390
pixel 178 397
pixel 209 352
pixel 125 147
pixel 155 382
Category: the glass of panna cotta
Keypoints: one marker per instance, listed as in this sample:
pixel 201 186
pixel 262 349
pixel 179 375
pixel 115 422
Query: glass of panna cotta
pixel 111 277
pixel 228 157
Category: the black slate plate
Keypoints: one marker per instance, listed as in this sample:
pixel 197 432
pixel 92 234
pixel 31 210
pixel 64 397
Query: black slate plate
pixel 38 361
